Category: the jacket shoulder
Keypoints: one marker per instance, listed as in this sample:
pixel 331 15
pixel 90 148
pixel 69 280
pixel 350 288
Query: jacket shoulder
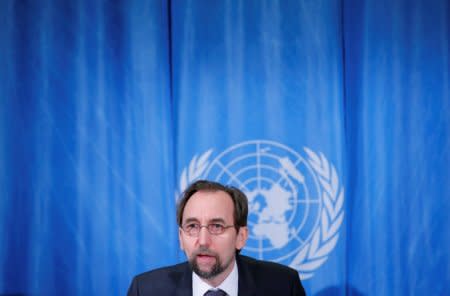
pixel 161 281
pixel 268 278
pixel 261 266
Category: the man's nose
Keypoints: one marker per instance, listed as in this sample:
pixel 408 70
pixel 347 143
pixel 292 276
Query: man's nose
pixel 204 237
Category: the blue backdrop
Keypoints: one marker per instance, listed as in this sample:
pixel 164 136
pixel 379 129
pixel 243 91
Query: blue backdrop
pixel 333 117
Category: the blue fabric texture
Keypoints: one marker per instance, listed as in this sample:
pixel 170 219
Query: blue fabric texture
pixel 332 116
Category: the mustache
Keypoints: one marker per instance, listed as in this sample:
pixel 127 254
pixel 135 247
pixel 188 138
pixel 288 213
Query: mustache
pixel 204 251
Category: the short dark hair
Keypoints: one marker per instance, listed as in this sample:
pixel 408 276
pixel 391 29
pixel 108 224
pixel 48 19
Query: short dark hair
pixel 238 197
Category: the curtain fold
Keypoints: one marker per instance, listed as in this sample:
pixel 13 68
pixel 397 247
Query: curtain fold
pixel 398 121
pixel 261 79
pixel 84 148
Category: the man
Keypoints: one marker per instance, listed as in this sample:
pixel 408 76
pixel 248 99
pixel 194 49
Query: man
pixel 212 220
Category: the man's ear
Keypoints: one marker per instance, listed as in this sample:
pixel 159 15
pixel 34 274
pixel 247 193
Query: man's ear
pixel 180 238
pixel 242 236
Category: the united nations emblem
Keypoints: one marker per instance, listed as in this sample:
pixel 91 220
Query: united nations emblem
pixel 295 201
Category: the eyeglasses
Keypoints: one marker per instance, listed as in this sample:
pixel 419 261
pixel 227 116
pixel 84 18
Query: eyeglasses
pixel 193 229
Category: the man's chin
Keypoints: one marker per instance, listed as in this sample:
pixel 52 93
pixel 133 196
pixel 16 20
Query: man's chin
pixel 205 274
pixel 206 271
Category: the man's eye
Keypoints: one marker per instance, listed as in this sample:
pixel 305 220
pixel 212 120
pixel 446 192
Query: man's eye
pixel 192 226
pixel 216 226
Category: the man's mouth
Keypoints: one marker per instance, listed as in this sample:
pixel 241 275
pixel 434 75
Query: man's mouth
pixel 204 255
pixel 205 258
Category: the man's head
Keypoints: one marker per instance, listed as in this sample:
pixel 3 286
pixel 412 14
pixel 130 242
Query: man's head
pixel 213 226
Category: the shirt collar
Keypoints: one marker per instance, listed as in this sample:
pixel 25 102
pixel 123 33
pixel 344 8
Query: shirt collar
pixel 229 285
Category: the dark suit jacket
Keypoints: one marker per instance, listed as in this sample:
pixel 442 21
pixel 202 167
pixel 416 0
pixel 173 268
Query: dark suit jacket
pixel 258 278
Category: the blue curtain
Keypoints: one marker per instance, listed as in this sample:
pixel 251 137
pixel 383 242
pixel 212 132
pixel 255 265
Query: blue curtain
pixel 398 146
pixel 333 117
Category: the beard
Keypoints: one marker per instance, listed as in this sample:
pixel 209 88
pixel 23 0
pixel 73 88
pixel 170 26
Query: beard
pixel 215 270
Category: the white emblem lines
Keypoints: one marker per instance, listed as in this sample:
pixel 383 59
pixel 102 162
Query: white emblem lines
pixel 295 202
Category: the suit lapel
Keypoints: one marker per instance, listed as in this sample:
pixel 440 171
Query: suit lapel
pixel 184 282
pixel 246 282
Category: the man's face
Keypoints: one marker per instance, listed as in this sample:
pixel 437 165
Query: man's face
pixel 211 256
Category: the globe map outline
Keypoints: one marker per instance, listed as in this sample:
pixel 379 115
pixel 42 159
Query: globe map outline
pixel 261 149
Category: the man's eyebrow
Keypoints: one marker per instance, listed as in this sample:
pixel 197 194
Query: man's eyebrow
pixel 217 220
pixel 214 220
pixel 188 220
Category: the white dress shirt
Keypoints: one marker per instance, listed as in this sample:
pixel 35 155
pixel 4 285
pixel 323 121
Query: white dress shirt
pixel 229 285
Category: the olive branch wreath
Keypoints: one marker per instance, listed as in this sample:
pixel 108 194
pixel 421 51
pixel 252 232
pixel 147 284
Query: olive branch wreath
pixel 196 168
pixel 325 237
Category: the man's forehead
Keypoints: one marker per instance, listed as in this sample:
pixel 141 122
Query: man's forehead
pixel 212 204
pixel 212 220
pixel 217 196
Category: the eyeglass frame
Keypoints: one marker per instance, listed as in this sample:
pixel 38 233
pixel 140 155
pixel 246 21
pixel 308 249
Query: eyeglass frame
pixel 207 226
